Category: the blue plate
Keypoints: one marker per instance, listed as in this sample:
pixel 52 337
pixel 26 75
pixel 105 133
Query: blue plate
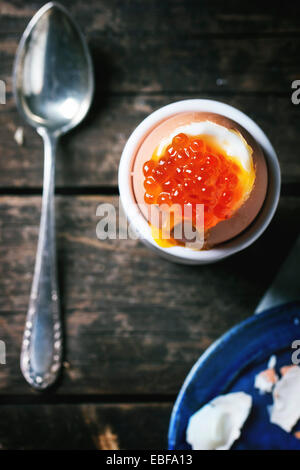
pixel 230 365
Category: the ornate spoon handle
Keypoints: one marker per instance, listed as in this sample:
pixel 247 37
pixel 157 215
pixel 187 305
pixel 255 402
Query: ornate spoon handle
pixel 41 354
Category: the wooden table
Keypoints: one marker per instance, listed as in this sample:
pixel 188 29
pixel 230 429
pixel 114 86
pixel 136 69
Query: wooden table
pixel 135 323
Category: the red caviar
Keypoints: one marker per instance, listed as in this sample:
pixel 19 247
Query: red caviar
pixel 191 172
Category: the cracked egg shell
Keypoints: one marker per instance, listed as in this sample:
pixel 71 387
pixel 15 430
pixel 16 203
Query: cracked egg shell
pixel 218 424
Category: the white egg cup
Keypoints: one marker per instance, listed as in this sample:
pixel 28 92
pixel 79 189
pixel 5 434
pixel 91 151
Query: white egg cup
pixel 182 254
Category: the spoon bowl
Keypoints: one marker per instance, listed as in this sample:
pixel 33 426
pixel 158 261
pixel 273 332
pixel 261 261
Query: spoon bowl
pixel 53 77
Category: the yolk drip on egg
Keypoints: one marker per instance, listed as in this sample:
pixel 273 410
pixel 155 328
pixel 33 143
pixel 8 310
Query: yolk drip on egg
pixel 196 170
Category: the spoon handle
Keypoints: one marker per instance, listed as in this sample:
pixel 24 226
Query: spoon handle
pixel 41 353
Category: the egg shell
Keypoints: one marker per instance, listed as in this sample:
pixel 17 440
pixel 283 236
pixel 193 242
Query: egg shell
pixel 285 411
pixel 219 423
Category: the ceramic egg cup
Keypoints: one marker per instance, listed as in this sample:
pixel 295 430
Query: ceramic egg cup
pixel 138 222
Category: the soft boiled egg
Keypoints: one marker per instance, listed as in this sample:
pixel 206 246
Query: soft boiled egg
pixel 204 158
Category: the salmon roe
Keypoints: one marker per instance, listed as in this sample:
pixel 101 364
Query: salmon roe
pixel 191 172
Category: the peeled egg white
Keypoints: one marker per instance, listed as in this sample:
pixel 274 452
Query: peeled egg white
pixel 218 424
pixel 231 141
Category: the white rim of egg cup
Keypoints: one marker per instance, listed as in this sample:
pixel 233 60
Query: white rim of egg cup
pixel 140 224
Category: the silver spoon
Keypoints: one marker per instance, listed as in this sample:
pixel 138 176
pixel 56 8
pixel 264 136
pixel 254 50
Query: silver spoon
pixel 53 86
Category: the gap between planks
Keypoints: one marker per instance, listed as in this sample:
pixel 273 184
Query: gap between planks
pixel 287 189
pixel 46 398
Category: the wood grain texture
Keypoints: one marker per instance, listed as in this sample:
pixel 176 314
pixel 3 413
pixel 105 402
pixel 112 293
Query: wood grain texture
pixel 177 45
pixel 135 323
pixel 171 50
pixel 84 427
pixel 165 18
pixel 127 63
pixel 90 155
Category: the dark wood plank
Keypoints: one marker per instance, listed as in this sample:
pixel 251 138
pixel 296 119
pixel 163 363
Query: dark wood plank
pixel 193 64
pixel 177 46
pixel 250 48
pixel 135 323
pixel 167 17
pixel 84 427
pixel 90 155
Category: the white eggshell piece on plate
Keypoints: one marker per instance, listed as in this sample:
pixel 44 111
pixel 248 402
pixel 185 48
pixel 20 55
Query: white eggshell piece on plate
pixel 272 362
pixel 285 411
pixel 218 424
pixel 266 379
